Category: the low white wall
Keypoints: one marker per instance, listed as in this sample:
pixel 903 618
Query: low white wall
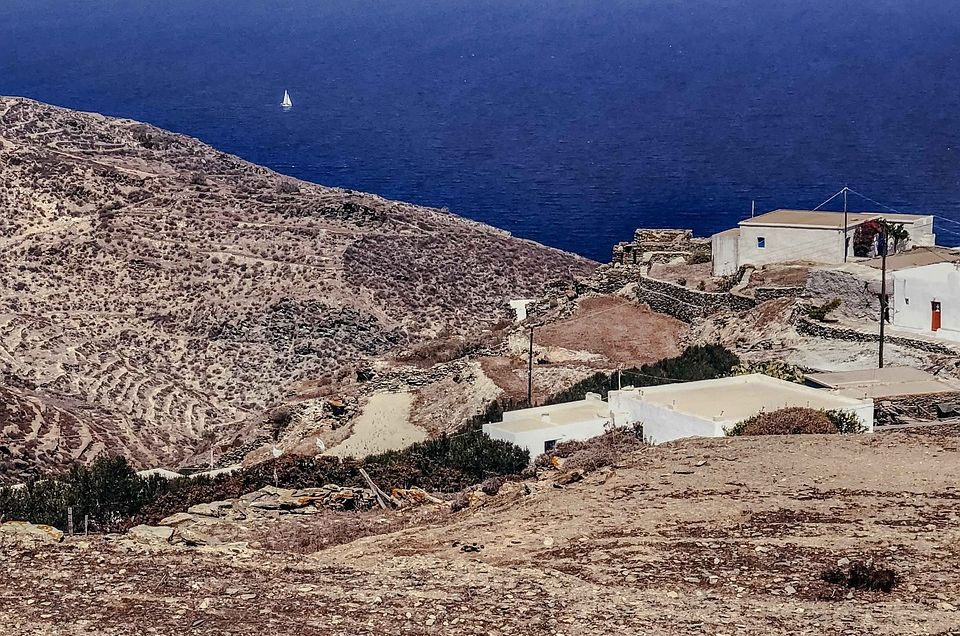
pixel 723 253
pixel 865 413
pixel 660 423
pixel 663 424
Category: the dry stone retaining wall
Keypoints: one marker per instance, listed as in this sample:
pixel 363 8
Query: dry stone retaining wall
pixel 687 304
pixel 823 330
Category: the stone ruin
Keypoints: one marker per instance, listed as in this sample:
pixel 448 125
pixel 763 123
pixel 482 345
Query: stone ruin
pixel 652 245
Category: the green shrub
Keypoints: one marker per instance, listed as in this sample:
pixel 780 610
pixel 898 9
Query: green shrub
pixel 847 423
pixel 699 362
pixel 820 313
pixel 108 491
pixel 773 368
pixel 115 497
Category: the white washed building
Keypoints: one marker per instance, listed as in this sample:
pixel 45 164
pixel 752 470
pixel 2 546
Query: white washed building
pixel 804 235
pixel 927 300
pixel 541 428
pixel 709 407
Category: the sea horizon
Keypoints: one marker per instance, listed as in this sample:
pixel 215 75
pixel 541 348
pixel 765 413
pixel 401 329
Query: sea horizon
pixel 565 123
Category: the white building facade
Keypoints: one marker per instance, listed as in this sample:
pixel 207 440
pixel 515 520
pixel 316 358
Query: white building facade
pixel 805 235
pixel 926 300
pixel 541 428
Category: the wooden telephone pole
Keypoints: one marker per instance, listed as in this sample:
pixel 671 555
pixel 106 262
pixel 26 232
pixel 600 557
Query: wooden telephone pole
pixel 883 284
pixel 530 371
pixel 846 241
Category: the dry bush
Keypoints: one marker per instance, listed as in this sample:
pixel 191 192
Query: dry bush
pixel 492 485
pixel 794 420
pixel 593 454
pixel 859 575
pixel 460 502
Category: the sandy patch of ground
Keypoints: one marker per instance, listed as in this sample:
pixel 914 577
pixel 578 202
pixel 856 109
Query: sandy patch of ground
pixel 383 425
pixel 620 331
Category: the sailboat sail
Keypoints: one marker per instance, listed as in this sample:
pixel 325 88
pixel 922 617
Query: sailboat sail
pixel 286 103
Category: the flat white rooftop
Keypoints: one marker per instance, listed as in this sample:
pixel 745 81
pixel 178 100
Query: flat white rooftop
pixel 880 383
pixel 815 219
pixel 564 414
pixel 739 397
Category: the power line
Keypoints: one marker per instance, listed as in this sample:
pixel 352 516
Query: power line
pixel 874 201
pixel 943 218
pixel 830 199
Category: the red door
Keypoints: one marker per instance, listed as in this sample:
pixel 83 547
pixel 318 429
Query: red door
pixel 934 315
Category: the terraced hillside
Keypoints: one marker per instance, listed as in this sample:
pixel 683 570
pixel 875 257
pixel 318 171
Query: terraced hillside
pixel 176 290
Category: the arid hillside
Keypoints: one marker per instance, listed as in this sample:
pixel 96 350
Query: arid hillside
pixel 722 536
pixel 155 291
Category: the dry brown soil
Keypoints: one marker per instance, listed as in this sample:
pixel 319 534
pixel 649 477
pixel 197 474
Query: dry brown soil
pixel 617 329
pixel 723 536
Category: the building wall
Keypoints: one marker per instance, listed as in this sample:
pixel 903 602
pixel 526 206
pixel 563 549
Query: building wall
pixel 663 424
pixel 660 424
pixel 533 440
pixel 724 248
pixel 791 244
pixel 921 232
pixel 915 289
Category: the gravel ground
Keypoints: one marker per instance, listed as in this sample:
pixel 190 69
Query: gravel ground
pixel 697 537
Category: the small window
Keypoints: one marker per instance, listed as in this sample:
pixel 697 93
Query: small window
pixel 549 445
pixel 761 242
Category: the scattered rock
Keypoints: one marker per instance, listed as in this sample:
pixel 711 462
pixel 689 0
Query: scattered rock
pixel 571 477
pixel 26 532
pixel 177 519
pixel 151 534
pixel 212 509
pixel 192 536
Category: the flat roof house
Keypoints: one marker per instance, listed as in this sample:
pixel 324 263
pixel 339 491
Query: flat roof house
pixel 804 235
pixel 708 407
pixel 885 383
pixel 926 300
pixel 541 428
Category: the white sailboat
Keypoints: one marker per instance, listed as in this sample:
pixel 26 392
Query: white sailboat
pixel 287 102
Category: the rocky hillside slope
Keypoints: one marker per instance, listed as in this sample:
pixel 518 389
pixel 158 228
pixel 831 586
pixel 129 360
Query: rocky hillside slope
pixel 171 290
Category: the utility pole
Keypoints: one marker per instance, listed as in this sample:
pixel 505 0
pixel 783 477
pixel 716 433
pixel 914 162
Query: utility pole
pixel 883 284
pixel 530 371
pixel 846 246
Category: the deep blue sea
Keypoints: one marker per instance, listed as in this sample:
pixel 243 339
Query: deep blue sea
pixel 566 121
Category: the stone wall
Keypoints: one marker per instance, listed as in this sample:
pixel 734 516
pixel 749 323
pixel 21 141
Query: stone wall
pixel 763 294
pixel 687 304
pixel 921 407
pixel 823 330
pixel 661 245
pixel 859 297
